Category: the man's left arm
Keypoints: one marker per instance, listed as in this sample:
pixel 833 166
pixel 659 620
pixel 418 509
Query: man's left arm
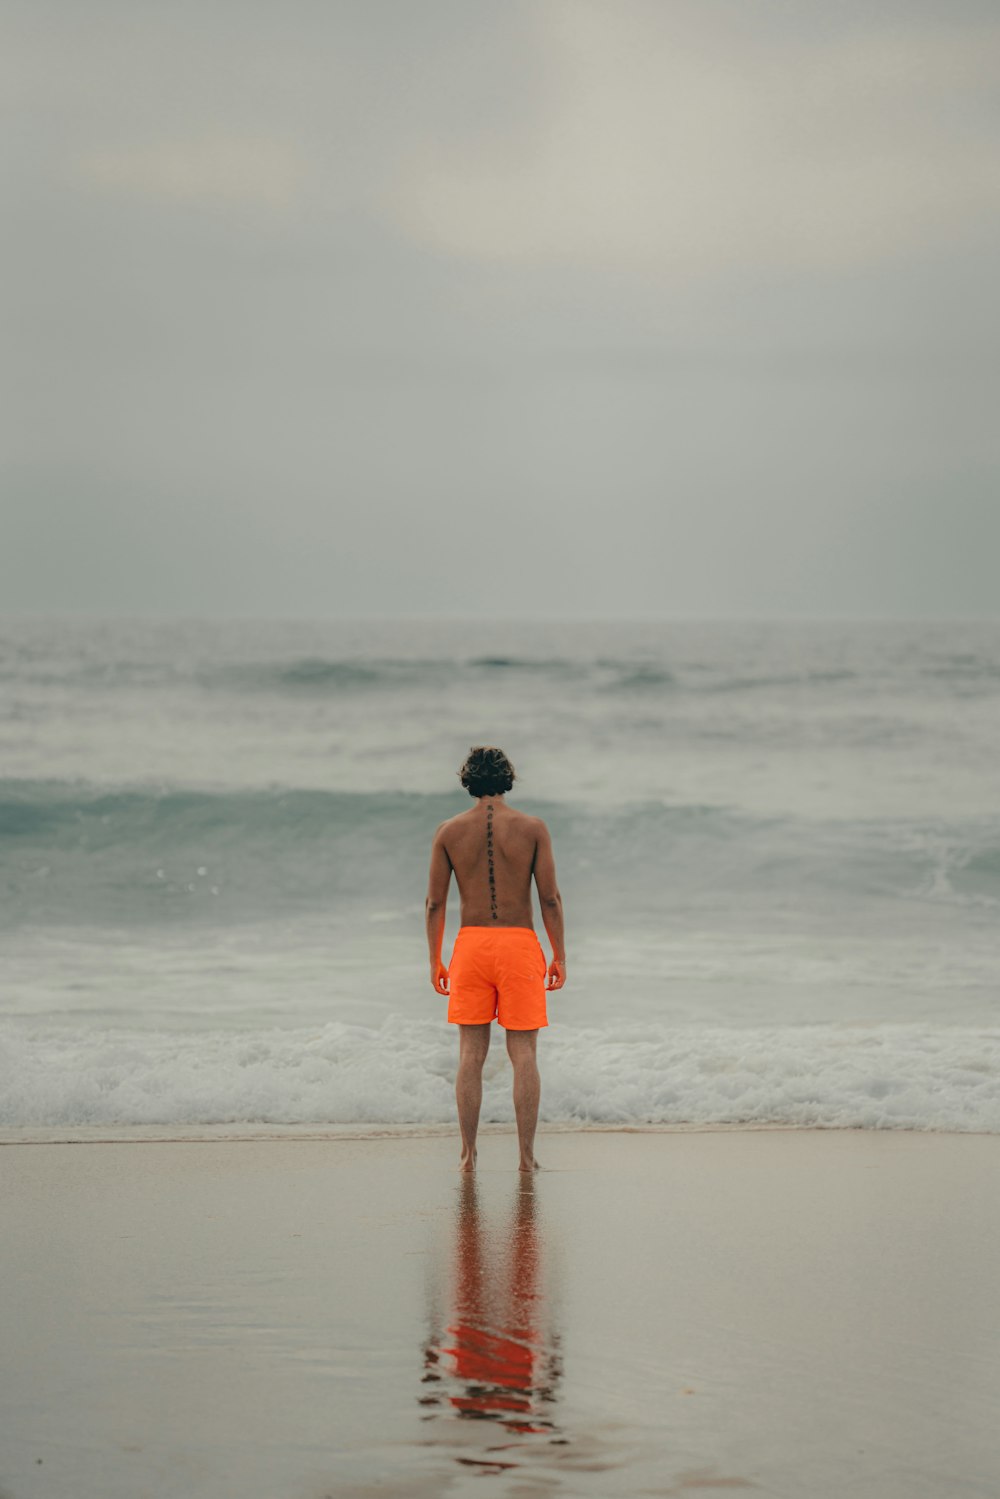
pixel 436 904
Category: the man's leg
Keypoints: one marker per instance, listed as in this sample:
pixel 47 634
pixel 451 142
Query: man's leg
pixel 474 1043
pixel 527 1091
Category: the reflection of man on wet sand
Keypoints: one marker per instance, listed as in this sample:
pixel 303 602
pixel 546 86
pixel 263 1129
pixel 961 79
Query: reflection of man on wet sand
pixel 498 969
pixel 496 1359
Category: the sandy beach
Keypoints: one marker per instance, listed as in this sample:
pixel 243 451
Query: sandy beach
pixel 784 1312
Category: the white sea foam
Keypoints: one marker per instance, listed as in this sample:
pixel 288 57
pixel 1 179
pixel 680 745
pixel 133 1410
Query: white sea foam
pixel 402 1072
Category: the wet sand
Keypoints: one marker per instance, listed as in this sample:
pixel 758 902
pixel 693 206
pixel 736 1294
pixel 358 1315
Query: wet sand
pixel 775 1312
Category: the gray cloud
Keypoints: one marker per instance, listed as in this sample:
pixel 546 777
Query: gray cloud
pixel 542 308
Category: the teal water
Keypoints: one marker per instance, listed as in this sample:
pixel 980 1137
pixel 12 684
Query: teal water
pixel 222 828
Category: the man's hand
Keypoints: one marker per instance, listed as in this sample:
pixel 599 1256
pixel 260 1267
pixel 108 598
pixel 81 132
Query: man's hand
pixel 556 976
pixel 439 978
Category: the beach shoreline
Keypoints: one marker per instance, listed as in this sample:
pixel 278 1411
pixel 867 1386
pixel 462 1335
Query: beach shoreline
pixel 168 1134
pixel 783 1310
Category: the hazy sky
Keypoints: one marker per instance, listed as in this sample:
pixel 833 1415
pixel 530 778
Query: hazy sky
pixel 560 308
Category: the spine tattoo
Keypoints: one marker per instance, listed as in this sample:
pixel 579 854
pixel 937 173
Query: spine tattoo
pixel 489 861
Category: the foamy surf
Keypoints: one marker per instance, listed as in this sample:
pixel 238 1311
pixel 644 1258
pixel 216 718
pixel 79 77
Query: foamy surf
pixel 401 1073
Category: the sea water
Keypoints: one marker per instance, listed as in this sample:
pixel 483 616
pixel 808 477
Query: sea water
pixel 778 846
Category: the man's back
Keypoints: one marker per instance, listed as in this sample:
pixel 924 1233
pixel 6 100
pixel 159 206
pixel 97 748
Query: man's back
pixel 494 850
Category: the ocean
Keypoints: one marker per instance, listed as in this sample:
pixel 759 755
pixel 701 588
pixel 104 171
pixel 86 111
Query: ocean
pixel 778 846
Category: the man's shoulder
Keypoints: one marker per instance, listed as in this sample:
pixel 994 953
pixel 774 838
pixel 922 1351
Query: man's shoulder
pixel 530 822
pixel 458 820
pixel 526 820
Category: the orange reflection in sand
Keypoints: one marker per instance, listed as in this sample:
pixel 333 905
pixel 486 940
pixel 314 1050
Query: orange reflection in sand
pixel 496 1359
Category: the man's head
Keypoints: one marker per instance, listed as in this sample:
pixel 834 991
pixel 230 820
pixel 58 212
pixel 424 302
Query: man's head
pixel 487 771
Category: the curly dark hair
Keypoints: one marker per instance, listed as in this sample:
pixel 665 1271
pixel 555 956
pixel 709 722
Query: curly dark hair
pixel 487 771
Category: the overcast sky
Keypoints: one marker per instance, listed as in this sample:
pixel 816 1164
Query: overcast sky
pixel 448 307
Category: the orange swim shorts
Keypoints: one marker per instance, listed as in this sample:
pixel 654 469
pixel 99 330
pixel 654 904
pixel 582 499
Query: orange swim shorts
pixel 497 973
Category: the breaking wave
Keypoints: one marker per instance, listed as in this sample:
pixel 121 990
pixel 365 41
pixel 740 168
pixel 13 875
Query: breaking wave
pixel 139 851
pixel 325 676
pixel 402 1072
pixel 83 852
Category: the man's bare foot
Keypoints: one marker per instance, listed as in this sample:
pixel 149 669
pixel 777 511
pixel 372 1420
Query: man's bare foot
pixel 531 1165
pixel 467 1161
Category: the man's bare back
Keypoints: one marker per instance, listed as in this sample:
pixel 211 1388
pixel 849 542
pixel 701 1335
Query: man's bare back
pixel 494 851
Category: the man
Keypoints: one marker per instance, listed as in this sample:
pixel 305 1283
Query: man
pixel 498 969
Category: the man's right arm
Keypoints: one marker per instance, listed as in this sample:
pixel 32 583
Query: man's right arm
pixel 544 871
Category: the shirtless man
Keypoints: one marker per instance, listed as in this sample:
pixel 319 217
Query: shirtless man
pixel 498 969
